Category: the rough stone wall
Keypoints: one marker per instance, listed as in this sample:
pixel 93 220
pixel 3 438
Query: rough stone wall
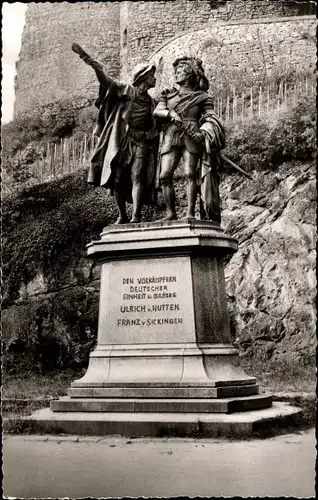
pixel 243 52
pixel 48 70
pixel 150 24
pixel 120 34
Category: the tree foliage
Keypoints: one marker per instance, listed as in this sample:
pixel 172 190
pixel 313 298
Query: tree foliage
pixel 268 141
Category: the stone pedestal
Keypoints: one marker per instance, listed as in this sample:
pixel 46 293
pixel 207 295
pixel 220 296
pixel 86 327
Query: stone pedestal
pixel 164 342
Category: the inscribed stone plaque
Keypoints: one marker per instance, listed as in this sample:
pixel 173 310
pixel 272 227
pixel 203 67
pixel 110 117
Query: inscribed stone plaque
pixel 146 301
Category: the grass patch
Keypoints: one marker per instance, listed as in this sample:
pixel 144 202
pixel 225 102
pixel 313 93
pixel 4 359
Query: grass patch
pixel 282 375
pixel 35 386
pixel 306 419
pixel 22 407
pixel 19 426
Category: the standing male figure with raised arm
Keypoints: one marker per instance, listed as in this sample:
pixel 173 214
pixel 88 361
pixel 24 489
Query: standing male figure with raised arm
pixel 125 157
pixel 192 131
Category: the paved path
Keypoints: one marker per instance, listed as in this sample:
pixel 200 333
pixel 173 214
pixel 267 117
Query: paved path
pixel 66 466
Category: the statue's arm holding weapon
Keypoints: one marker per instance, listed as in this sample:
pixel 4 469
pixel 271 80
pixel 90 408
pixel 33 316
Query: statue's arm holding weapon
pixel 197 136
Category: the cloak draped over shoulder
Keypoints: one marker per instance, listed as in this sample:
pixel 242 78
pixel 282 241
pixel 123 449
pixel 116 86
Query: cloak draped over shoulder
pixel 115 148
pixel 214 141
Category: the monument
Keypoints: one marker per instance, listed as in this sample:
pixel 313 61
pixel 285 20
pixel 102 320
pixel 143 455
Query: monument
pixel 164 361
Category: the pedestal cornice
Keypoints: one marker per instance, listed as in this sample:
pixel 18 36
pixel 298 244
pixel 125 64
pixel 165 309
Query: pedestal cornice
pixel 184 236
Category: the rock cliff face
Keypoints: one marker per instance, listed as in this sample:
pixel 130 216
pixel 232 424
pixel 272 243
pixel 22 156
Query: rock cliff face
pixel 270 281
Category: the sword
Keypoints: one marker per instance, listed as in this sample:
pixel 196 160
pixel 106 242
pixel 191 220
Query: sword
pixel 239 169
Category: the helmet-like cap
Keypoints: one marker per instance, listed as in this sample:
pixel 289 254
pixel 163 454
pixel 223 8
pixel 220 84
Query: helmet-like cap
pixel 141 72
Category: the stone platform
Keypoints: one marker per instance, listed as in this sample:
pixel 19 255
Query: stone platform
pixel 141 424
pixel 164 349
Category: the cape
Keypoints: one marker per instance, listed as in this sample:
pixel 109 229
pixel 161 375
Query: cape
pixel 112 128
pixel 190 100
pixel 214 141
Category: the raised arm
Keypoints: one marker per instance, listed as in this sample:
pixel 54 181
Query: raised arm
pixel 98 67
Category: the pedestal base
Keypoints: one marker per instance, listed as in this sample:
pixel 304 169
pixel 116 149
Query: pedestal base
pixel 170 366
pixel 160 378
pixel 162 404
pixel 164 342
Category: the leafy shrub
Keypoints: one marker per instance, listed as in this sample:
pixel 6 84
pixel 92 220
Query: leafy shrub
pixel 51 122
pixel 18 166
pixel 58 120
pixel 44 335
pixel 293 134
pixel 268 141
pixel 25 343
pixel 85 120
pixel 46 225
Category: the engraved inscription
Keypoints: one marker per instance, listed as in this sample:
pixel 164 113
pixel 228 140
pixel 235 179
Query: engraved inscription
pixel 156 290
pixel 147 301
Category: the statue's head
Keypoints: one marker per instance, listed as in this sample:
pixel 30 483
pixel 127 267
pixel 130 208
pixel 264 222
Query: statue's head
pixel 190 70
pixel 144 73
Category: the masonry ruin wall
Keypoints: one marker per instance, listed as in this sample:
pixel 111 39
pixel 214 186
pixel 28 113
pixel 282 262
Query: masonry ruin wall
pixel 122 34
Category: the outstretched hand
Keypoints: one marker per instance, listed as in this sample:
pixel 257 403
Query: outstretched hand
pixel 78 49
pixel 86 57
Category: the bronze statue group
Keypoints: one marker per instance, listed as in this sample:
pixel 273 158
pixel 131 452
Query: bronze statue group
pixel 128 160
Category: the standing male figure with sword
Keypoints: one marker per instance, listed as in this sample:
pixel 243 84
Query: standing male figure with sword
pixel 192 131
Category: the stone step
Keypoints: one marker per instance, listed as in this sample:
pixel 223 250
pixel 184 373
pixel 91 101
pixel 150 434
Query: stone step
pixel 241 424
pixel 163 392
pixel 162 405
pixel 208 383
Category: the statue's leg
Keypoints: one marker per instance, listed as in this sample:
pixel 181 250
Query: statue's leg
pixel 169 162
pixel 137 179
pixel 190 166
pixel 120 195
